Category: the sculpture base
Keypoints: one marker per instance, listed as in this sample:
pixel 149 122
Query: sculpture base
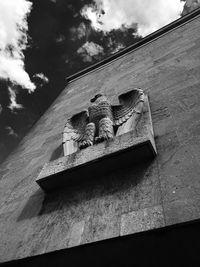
pixel 93 162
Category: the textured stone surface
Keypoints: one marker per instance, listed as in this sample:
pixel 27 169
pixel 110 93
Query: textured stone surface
pixel 76 234
pixel 124 150
pixel 160 192
pixel 142 220
pixel 182 210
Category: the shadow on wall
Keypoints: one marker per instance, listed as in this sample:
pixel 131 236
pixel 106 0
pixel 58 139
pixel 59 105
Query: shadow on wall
pixel 57 153
pixel 32 206
pixel 35 203
pixel 113 186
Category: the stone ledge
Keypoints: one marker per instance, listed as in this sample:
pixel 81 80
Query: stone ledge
pixel 97 160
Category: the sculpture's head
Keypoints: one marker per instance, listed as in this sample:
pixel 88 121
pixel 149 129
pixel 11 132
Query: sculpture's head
pixel 95 98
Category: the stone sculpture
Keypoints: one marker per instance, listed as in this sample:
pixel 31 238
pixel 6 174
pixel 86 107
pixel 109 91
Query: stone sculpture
pixel 102 121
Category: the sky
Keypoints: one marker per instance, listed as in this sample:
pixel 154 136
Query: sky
pixel 44 41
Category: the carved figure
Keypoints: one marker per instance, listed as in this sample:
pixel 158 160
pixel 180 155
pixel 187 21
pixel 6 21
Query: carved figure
pixel 102 120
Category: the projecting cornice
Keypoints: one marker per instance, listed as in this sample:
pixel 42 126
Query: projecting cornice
pixel 149 38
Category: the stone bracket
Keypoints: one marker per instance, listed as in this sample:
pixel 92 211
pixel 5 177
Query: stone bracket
pixel 93 162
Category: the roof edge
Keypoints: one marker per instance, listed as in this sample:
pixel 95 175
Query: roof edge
pixel 136 45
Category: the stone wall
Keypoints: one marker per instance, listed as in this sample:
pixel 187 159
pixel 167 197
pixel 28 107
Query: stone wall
pixel 154 194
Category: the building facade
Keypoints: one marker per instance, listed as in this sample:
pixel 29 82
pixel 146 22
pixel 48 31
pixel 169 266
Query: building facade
pixel 157 194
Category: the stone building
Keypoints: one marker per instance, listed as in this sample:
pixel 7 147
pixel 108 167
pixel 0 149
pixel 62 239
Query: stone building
pixel 145 213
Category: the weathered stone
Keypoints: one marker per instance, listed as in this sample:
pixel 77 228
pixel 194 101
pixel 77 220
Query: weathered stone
pixel 139 188
pixel 124 150
pixel 142 220
pixel 182 210
pixel 101 227
pixel 179 175
pixel 76 234
pixel 127 200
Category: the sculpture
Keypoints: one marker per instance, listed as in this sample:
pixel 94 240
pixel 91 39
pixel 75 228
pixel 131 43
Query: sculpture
pixel 102 121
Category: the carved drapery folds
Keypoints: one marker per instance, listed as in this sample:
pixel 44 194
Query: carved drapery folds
pixel 102 121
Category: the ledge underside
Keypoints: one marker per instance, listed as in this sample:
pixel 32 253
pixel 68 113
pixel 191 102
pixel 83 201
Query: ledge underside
pixel 93 162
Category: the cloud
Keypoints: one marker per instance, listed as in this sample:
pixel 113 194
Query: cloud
pixel 41 77
pixel 78 33
pixel 11 132
pixel 1 109
pixel 60 38
pixel 190 5
pixel 119 47
pixel 13 105
pixel 149 15
pixel 90 50
pixel 13 40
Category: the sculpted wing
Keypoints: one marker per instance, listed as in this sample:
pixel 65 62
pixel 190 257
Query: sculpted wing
pixel 74 132
pixel 130 103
